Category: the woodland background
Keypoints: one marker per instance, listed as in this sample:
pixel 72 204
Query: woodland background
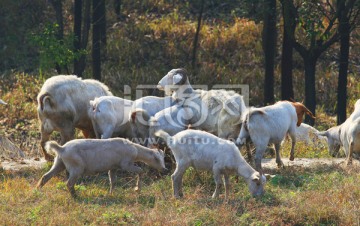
pixel 301 50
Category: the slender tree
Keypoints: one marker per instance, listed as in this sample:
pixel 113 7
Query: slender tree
pixel 77 33
pixel 197 33
pixel 98 36
pixel 269 47
pixel 310 20
pixel 117 8
pixel 58 7
pixel 287 91
pixel 347 22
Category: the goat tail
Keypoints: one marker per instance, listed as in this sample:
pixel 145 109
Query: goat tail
pixel 53 148
pixel 322 133
pixel 309 113
pixel 165 136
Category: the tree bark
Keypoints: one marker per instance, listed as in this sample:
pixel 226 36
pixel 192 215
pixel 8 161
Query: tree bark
pixel 58 7
pixel 287 91
pixel 196 39
pixel 310 87
pixel 102 23
pixel 85 35
pixel 117 8
pixel 96 39
pixel 269 47
pixel 344 30
pixel 77 34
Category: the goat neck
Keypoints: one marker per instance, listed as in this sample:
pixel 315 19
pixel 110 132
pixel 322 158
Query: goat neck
pixel 184 92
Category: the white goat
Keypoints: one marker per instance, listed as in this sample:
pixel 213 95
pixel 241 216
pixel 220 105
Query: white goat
pixel 91 156
pixel 347 135
pixel 153 104
pixel 63 104
pixel 229 119
pixel 110 117
pixel 204 151
pixel 308 135
pixel 266 125
pixel 203 107
pixel 172 120
pixel 3 102
pixel 144 108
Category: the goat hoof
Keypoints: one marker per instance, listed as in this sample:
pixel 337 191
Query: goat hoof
pixel 291 158
pixel 137 189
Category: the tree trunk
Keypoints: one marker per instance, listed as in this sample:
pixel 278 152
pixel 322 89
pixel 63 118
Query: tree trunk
pixel 269 47
pixel 77 34
pixel 287 91
pixel 84 36
pixel 96 39
pixel 57 5
pixel 344 30
pixel 117 8
pixel 102 21
pixel 310 88
pixel 196 39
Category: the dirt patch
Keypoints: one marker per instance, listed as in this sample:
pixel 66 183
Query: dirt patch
pixel 22 163
pixel 13 158
pixel 305 162
pixel 19 164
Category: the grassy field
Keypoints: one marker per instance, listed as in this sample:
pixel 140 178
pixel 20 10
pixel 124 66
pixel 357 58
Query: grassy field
pixel 325 195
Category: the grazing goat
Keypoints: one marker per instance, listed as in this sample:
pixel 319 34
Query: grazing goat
pixel 266 125
pixel 308 134
pixel 3 102
pixel 205 151
pixel 110 117
pixel 63 104
pixel 91 156
pixel 347 135
pixel 202 107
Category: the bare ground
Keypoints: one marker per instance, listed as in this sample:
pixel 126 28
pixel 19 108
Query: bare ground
pixel 13 158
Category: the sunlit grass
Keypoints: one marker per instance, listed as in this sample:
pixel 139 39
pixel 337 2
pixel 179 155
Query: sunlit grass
pixel 320 195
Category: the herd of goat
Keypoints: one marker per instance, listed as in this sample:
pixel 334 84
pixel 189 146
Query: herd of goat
pixel 204 129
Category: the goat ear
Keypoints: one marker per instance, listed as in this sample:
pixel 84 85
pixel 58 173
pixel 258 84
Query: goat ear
pixel 255 178
pixel 269 176
pixel 180 77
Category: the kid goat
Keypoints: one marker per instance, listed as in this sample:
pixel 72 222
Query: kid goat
pixel 90 156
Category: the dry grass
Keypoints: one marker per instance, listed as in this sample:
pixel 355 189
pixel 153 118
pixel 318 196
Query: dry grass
pixel 327 195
